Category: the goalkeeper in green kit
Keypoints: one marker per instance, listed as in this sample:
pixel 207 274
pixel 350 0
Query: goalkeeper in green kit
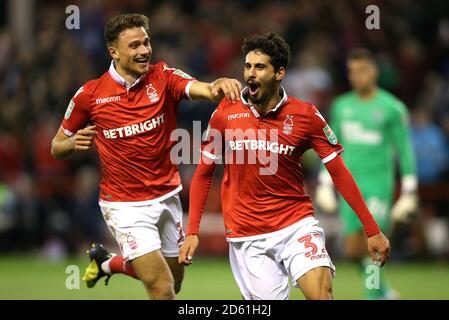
pixel 372 125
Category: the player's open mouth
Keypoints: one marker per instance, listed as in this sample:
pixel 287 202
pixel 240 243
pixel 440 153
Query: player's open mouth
pixel 253 88
pixel 142 61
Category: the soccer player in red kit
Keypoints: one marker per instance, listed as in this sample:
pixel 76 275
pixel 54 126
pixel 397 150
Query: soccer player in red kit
pixel 129 113
pixel 269 220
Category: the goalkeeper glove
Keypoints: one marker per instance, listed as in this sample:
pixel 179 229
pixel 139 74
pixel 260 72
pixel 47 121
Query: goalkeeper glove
pixel 405 207
pixel 407 204
pixel 324 194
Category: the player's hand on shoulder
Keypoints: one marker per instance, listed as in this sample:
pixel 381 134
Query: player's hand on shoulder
pixel 379 248
pixel 83 138
pixel 187 250
pixel 225 87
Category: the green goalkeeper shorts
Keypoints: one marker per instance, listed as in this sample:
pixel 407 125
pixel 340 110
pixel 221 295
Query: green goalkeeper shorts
pixel 378 199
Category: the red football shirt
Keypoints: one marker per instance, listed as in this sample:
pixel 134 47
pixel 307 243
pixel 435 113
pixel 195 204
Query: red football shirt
pixel 262 187
pixel 134 123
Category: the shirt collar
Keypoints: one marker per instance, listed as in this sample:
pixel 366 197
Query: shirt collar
pixel 120 80
pixel 254 110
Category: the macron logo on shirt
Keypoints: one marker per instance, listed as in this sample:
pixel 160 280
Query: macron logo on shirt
pixel 108 99
pixel 238 116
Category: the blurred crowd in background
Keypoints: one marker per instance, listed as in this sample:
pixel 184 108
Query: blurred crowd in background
pixel 51 206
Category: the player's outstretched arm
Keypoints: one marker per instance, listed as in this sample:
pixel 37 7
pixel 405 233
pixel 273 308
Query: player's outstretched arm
pixel 217 90
pixel 199 190
pixel 63 146
pixel 378 244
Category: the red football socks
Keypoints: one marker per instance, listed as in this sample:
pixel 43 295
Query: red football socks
pixel 118 265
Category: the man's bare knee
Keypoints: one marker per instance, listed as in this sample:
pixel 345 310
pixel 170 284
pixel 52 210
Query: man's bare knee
pixel 155 274
pixel 158 288
pixel 162 291
pixel 322 293
pixel 316 284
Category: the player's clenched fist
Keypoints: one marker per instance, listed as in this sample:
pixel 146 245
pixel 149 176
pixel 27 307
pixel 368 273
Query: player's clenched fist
pixel 83 138
pixel 379 248
pixel 187 250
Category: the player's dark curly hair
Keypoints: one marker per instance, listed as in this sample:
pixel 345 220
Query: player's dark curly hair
pixel 122 22
pixel 271 44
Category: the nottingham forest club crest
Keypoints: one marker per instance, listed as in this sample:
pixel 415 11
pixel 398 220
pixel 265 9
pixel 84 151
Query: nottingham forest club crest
pixel 288 124
pixel 330 135
pixel 152 93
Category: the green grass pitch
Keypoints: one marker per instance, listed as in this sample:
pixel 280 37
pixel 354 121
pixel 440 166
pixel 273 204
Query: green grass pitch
pixel 207 278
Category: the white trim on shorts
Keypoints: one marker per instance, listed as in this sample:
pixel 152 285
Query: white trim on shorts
pixel 142 203
pixel 293 226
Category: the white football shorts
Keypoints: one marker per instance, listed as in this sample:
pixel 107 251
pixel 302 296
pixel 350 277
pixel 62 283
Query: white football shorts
pixel 141 229
pixel 262 267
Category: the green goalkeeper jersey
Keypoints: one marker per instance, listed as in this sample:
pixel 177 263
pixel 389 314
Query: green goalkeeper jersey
pixel 373 132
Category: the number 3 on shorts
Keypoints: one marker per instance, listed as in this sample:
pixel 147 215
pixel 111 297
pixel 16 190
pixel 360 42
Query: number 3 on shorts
pixel 307 240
